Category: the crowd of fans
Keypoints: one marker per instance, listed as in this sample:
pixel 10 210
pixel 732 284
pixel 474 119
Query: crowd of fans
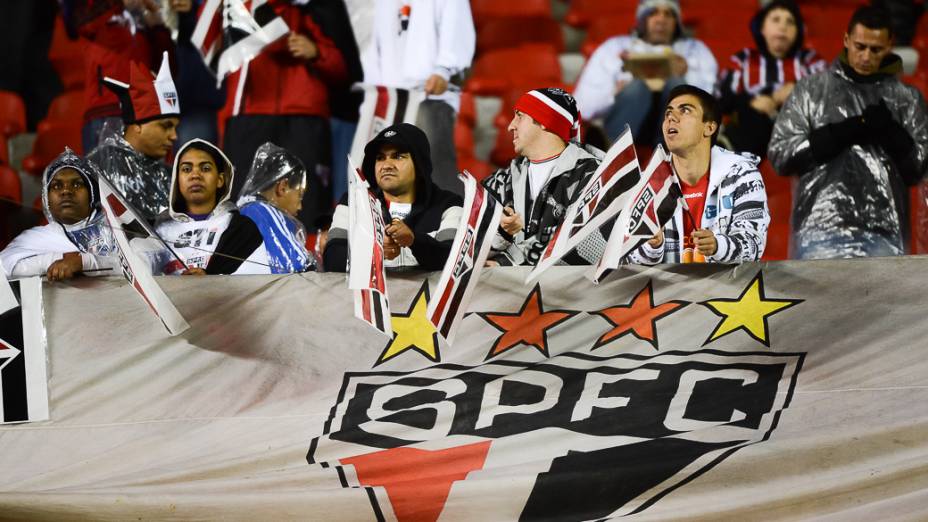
pixel 854 135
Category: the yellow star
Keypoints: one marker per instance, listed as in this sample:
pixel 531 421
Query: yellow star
pixel 749 312
pixel 413 330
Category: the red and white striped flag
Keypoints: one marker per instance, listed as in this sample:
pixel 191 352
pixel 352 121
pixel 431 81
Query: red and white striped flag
pixel 230 33
pixel 654 201
pixel 600 200
pixel 382 107
pixel 122 219
pixel 468 254
pixel 365 255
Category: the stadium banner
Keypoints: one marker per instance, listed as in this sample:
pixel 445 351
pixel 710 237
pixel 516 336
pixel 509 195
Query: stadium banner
pixel 766 391
pixel 23 381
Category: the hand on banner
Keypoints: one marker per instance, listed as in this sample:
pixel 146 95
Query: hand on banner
pixel 301 47
pixel 182 6
pixel 194 272
pixel 705 242
pixel 657 240
pixel 65 268
pixel 511 221
pixel 400 233
pixel 436 84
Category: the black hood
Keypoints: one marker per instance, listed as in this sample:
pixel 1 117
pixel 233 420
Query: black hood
pixel 406 137
pixel 758 21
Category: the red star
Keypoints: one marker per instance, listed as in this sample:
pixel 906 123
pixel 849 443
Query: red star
pixel 638 317
pixel 528 326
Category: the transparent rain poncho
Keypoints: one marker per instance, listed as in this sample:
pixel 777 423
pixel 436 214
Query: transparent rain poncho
pixel 284 236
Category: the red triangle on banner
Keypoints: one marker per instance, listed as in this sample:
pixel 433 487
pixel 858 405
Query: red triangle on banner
pixel 418 481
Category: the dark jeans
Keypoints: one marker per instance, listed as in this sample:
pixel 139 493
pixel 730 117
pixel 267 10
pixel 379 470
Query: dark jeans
pixel 342 136
pixel 634 104
pixel 306 136
pixel 436 119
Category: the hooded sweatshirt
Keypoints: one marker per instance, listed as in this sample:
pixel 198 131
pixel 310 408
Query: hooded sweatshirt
pixel 433 217
pixel 223 234
pixel 33 251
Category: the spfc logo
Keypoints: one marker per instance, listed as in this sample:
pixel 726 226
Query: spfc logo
pixel 578 436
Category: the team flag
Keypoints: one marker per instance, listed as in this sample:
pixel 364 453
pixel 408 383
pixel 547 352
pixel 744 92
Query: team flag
pixel 230 33
pixel 468 254
pixel 365 254
pixel 383 107
pixel 23 382
pixel 600 200
pixel 122 220
pixel 654 200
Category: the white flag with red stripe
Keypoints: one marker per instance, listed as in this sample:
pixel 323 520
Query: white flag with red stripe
pixel 230 33
pixel 365 254
pixel 383 107
pixel 123 219
pixel 600 200
pixel 468 254
pixel 653 203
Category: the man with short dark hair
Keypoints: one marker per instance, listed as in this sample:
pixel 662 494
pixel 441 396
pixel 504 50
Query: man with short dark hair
pixel 76 238
pixel 857 137
pixel 727 217
pixel 423 218
pixel 133 160
pixel 538 186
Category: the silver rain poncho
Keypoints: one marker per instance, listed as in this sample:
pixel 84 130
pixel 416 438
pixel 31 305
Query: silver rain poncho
pixel 854 204
pixel 144 181
pixel 284 236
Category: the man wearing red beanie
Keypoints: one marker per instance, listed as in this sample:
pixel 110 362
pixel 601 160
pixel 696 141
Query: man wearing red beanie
pixel 550 170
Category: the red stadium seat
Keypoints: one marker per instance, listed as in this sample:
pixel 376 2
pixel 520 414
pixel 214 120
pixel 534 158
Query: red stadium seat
pixel 705 22
pixel 778 237
pixel 67 108
pixel 480 169
pixel 502 33
pixel 605 27
pixel 66 57
pixel 12 114
pixel 468 112
pixel 526 66
pixel 11 187
pixel 774 183
pixel 486 10
pixel 919 81
pixel 4 151
pixel 49 144
pixel 583 13
pixel 463 138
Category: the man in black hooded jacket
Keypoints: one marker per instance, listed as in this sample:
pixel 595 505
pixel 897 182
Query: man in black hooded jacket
pixel 422 217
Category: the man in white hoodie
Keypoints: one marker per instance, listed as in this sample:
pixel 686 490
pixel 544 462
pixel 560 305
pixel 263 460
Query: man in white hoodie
pixel 727 216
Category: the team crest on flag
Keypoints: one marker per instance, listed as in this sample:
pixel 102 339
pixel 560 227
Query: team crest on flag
pixel 123 221
pixel 23 384
pixel 469 252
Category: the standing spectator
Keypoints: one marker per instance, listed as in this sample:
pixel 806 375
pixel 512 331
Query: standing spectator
pixel 282 96
pixel 857 137
pixel 607 90
pixel 118 32
pixel 550 171
pixel 425 44
pixel 195 83
pixel 759 80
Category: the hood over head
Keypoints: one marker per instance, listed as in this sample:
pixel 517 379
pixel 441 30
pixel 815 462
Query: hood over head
pixel 271 164
pixel 86 169
pixel 405 137
pixel 757 22
pixel 177 206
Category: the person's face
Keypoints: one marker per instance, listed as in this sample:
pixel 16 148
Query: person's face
pixel 198 178
pixel 395 171
pixel 287 198
pixel 156 138
pixel 525 133
pixel 683 126
pixel 68 197
pixel 866 48
pixel 779 31
pixel 660 26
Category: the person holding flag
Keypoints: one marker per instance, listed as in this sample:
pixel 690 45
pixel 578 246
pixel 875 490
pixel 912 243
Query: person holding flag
pixel 423 218
pixel 76 238
pixel 538 186
pixel 725 216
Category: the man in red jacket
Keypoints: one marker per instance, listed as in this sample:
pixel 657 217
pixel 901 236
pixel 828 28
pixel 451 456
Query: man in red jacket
pixel 281 96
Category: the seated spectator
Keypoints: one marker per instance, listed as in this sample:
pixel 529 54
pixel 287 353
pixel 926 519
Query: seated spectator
pixel 76 238
pixel 857 137
pixel 759 80
pixel 607 90
pixel 728 217
pixel 543 180
pixel 201 225
pixel 271 197
pixel 134 161
pixel 423 218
